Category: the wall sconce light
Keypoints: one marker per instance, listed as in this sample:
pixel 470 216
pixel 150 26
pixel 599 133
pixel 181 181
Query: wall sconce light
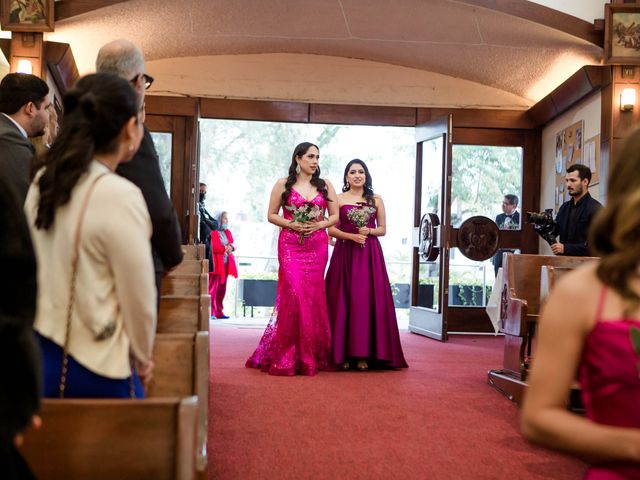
pixel 24 66
pixel 627 99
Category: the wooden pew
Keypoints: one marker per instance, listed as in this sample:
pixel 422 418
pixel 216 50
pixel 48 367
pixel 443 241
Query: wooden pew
pixel 184 313
pixel 193 252
pixel 519 312
pixel 549 276
pixel 191 267
pixel 184 284
pixel 115 438
pixel 182 369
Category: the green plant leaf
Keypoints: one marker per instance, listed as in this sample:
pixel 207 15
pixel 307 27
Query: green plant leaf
pixel 634 335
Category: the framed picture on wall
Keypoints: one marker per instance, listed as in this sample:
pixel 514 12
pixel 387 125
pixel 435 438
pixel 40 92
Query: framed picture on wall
pixel 591 158
pixel 27 15
pixel 622 34
pixel 569 150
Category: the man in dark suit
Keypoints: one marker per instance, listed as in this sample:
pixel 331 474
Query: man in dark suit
pixel 123 58
pixel 575 216
pixel 24 113
pixel 20 378
pixel 207 225
pixel 509 219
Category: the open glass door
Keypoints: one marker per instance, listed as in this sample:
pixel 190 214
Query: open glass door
pixel 170 135
pixel 430 277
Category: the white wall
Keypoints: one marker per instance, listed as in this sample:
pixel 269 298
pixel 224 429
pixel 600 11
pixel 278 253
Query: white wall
pixel 587 10
pixel 588 110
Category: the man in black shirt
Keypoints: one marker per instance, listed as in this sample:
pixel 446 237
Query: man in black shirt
pixel 575 216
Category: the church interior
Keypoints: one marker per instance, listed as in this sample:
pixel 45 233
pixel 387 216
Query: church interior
pixel 540 76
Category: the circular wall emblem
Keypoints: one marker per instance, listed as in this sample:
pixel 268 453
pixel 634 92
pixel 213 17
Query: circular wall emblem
pixel 478 238
pixel 427 250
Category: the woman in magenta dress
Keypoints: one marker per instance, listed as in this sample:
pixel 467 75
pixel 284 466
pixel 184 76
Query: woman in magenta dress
pixel 363 320
pixel 588 326
pixel 297 338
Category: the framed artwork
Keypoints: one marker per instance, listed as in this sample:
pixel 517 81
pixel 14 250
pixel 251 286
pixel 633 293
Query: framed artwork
pixel 591 158
pixel 569 150
pixel 27 15
pixel 622 34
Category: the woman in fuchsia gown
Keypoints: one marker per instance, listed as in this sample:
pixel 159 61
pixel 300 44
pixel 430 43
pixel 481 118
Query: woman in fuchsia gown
pixel 297 338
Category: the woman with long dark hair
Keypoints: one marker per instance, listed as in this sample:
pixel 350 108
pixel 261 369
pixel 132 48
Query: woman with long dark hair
pixel 591 325
pixel 96 304
pixel 364 327
pixel 297 339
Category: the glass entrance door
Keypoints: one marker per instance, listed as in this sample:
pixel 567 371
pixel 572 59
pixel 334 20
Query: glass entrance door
pixel 430 295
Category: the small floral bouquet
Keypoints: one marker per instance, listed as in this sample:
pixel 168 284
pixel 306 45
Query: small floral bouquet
pixel 360 215
pixel 305 213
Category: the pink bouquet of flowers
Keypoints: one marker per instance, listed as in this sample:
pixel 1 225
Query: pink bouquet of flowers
pixel 360 215
pixel 305 213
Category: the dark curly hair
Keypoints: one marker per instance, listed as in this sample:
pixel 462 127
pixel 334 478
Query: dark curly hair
pixel 368 182
pixel 95 111
pixel 316 181
pixel 615 233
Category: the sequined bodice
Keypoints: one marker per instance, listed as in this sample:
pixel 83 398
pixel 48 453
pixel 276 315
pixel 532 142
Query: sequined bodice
pixel 297 200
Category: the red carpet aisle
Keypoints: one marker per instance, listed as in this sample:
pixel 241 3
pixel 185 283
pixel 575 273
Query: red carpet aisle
pixel 436 420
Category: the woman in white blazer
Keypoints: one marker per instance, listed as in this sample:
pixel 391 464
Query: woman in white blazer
pixel 96 303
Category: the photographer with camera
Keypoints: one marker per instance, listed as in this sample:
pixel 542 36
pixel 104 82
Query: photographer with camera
pixel 575 216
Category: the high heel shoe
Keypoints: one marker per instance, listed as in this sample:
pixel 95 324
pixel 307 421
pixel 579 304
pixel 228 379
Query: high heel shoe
pixel 346 366
pixel 362 365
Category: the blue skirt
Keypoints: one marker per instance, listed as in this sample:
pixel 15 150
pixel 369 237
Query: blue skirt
pixel 81 382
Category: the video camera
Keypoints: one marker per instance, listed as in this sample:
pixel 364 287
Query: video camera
pixel 543 224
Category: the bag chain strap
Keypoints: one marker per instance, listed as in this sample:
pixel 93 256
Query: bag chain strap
pixel 74 273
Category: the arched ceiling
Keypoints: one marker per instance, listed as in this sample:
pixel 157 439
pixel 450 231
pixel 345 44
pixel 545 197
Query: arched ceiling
pixel 515 61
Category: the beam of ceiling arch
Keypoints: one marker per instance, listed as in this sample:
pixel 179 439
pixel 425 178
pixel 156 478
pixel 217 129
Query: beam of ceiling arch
pixel 454 38
pixel 545 15
pixel 70 8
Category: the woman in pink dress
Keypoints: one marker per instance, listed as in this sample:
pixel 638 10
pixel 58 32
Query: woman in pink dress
pixel 591 325
pixel 364 328
pixel 297 338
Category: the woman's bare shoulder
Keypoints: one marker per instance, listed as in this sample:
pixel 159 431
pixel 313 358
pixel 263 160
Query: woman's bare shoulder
pixel 580 287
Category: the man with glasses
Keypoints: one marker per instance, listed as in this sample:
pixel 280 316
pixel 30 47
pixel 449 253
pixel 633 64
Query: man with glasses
pixel 509 219
pixel 126 60
pixel 24 113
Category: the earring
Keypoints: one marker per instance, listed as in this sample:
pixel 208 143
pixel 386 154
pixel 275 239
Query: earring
pixel 298 168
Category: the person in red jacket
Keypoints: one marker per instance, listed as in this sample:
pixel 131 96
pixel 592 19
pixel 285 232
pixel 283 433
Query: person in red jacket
pixel 223 264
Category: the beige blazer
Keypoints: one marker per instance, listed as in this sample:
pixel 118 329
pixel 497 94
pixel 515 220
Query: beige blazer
pixel 115 280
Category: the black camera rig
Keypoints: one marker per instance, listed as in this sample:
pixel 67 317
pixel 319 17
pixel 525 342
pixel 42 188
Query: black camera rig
pixel 543 224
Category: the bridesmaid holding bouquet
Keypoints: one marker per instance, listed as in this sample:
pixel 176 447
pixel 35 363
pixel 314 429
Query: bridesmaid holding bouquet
pixel 362 315
pixel 297 338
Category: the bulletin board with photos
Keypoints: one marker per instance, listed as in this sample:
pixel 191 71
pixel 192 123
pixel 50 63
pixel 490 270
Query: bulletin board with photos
pixel 569 150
